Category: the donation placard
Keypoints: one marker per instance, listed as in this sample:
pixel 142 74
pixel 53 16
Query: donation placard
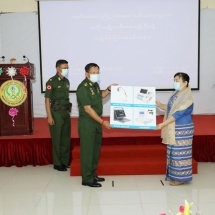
pixel 133 107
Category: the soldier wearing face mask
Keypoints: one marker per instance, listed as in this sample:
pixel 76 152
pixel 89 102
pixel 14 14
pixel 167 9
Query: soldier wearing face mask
pixel 89 97
pixel 58 110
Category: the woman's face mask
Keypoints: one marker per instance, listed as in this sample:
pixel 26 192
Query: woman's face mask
pixel 94 77
pixel 177 86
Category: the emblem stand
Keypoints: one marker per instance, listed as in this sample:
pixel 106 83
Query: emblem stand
pixel 16 94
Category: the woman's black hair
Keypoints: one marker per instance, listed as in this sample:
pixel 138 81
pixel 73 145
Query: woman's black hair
pixel 183 76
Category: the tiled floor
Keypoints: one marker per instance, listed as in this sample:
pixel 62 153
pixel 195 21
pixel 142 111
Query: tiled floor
pixel 43 191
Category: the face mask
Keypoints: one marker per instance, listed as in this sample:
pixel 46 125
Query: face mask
pixel 64 72
pixel 94 77
pixel 177 86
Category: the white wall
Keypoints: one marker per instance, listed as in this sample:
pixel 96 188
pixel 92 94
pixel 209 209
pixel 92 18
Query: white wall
pixel 31 5
pixel 18 5
pixel 19 36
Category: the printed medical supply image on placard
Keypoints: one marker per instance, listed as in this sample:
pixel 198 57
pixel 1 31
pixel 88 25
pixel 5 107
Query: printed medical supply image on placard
pixel 133 107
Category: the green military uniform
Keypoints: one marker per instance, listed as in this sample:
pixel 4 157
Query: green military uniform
pixel 57 89
pixel 90 131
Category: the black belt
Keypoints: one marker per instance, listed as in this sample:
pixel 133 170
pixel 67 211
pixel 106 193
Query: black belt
pixel 58 107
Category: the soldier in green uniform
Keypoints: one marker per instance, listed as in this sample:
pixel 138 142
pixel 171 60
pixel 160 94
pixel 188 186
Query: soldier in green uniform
pixel 58 110
pixel 89 98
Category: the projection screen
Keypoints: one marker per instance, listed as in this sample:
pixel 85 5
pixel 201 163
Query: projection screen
pixel 135 42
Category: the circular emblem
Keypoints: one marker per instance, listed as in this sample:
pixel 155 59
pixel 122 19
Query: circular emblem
pixel 13 93
pixel 49 87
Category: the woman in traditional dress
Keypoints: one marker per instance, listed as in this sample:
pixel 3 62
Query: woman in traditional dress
pixel 177 131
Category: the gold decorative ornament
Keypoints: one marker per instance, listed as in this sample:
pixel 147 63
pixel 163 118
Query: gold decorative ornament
pixel 13 93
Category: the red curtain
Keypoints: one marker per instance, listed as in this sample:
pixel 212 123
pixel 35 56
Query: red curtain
pixel 23 152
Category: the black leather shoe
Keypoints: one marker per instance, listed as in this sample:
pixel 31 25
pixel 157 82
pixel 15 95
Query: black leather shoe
pixel 60 168
pixel 93 184
pixel 99 179
pixel 66 166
